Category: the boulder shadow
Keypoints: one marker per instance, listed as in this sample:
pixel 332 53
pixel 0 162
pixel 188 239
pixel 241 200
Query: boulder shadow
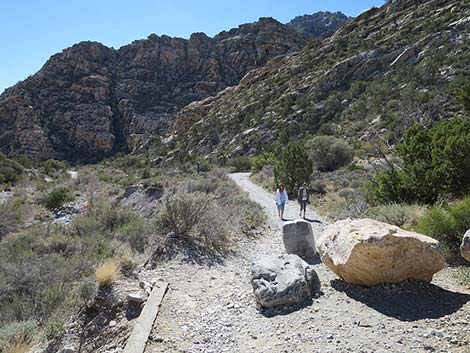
pixel 133 311
pixel 285 309
pixel 406 301
pixel 311 220
pixel 314 260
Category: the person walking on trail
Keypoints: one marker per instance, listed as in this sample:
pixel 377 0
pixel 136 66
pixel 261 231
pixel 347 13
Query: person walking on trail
pixel 304 198
pixel 281 200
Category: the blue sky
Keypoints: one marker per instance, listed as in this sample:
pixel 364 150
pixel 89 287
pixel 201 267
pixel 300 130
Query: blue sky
pixel 32 30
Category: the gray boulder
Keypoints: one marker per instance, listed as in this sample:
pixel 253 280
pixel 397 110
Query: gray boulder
pixel 298 238
pixel 284 279
pixel 465 247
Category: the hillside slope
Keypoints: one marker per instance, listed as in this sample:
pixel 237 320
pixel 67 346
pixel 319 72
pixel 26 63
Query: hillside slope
pixel 90 101
pixel 376 76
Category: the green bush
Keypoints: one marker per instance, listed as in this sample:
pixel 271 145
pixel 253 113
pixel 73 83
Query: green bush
pixel 329 153
pixel 10 171
pixel 53 168
pixel 463 97
pixel 240 164
pixel 56 198
pixel 436 165
pixel 447 224
pixel 293 167
pixel 264 159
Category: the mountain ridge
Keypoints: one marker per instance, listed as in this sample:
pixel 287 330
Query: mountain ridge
pixel 376 76
pixel 91 101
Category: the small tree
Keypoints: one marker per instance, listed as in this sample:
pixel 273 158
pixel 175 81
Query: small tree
pixel 463 97
pixel 436 164
pixel 293 167
pixel 329 153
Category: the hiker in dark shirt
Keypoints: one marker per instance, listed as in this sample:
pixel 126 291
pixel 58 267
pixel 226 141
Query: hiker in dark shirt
pixel 304 198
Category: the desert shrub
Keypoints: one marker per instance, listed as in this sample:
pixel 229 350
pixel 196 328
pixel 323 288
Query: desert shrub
pixel 318 187
pixel 56 198
pixel 240 164
pixel 447 224
pixel 107 273
pixel 10 171
pixel 293 167
pixel 264 178
pixel 436 165
pixel 87 291
pixel 134 232
pixel 205 185
pixel 34 284
pixel 53 168
pixel 463 97
pixel 218 174
pixel 401 215
pixel 329 153
pixel 54 329
pixel 192 216
pixel 146 174
pixel 181 211
pixel 107 221
pixel 16 337
pixel 11 216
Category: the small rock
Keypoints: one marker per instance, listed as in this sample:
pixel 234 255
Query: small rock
pixel 137 297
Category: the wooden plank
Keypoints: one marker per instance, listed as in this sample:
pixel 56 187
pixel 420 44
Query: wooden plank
pixel 143 326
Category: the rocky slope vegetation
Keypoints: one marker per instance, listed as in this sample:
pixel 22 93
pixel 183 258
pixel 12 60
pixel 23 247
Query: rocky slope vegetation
pixel 376 76
pixel 320 24
pixel 90 101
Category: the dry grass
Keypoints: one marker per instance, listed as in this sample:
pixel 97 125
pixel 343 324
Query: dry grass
pixel 17 347
pixel 107 273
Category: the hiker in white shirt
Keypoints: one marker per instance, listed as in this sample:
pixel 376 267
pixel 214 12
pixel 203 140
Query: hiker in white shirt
pixel 281 200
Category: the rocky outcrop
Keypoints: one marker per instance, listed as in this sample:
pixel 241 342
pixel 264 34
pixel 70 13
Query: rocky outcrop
pixel 406 49
pixel 90 101
pixel 465 246
pixel 298 238
pixel 284 279
pixel 368 252
pixel 320 24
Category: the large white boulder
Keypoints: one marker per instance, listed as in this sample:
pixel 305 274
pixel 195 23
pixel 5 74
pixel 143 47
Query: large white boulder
pixel 465 246
pixel 368 252
pixel 298 238
pixel 283 279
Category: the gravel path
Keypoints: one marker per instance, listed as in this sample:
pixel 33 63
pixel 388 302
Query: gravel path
pixel 211 308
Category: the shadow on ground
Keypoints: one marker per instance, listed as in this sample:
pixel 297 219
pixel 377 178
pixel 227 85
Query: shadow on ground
pixel 285 309
pixel 315 260
pixel 406 301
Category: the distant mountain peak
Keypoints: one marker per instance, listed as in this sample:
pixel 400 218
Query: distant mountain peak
pixel 319 24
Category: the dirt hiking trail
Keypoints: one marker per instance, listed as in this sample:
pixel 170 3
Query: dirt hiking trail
pixel 210 306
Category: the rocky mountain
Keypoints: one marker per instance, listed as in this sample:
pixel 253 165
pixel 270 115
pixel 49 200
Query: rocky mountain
pixel 387 69
pixel 90 101
pixel 320 24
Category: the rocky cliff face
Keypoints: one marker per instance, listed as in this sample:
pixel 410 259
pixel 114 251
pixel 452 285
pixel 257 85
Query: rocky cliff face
pixel 320 24
pixel 389 68
pixel 90 101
